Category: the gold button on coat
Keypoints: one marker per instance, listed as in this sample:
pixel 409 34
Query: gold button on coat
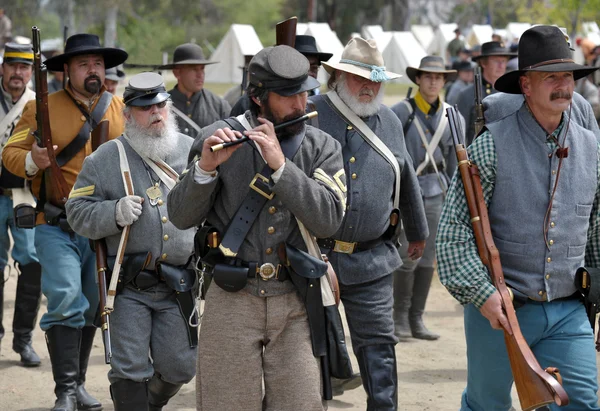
pixel 164 256
pixel 166 237
pixel 354 176
pixel 160 202
pixel 83 118
pixel 271 230
pixel 552 224
pixel 269 251
pixel 262 291
pixel 272 210
pixel 547 276
pixel 551 242
pixel 549 259
pixel 164 219
pixel 352 159
pixel 541 293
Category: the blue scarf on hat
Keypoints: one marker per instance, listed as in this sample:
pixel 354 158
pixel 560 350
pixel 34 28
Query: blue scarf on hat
pixel 378 73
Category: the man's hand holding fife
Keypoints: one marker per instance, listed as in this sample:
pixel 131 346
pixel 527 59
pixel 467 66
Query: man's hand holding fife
pixel 209 161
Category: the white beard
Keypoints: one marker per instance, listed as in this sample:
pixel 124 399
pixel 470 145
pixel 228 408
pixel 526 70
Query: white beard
pixel 360 109
pixel 152 144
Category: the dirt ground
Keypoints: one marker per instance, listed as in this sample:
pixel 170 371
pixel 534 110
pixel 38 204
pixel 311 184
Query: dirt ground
pixel 431 374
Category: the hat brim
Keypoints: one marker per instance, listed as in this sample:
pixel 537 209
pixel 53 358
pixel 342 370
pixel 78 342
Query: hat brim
pixel 502 54
pixel 359 71
pixel 320 56
pixel 186 62
pixel 509 82
pixel 148 99
pixel 309 84
pixel 18 60
pixel 412 72
pixel 112 57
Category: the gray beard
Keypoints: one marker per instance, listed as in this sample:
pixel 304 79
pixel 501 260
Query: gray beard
pixel 152 144
pixel 360 109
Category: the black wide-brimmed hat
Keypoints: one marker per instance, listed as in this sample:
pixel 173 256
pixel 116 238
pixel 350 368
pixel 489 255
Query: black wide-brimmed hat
pixel 188 53
pixel 493 48
pixel 281 69
pixel 80 44
pixel 542 48
pixel 308 46
pixel 18 53
pixel 430 64
pixel 145 89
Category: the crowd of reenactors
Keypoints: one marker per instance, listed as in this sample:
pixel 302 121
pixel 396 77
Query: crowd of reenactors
pixel 125 211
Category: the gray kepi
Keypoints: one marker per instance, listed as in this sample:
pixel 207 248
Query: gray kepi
pixel 188 53
pixel 145 89
pixel 430 64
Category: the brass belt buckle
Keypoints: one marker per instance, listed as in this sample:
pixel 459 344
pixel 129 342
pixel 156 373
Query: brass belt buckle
pixel 264 185
pixel 343 247
pixel 266 271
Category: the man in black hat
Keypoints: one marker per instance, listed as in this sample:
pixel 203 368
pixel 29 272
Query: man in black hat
pixel 492 60
pixel 255 327
pixel 455 46
pixel 429 143
pixel 17 65
pixel 68 263
pixel 540 179
pixel 464 79
pixel 195 106
pixel 147 319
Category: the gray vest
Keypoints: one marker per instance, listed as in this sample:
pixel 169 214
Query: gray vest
pixel 524 180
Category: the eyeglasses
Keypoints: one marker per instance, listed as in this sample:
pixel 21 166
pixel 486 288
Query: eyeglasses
pixel 162 104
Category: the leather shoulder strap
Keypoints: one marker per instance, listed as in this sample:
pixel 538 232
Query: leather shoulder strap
pixel 185 118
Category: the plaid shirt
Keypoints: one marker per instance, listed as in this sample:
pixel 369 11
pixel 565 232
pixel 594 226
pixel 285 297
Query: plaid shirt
pixel 459 266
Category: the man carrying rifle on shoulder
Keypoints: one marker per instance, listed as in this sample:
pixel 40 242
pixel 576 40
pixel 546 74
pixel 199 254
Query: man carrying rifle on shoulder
pixel 68 263
pixel 152 309
pixel 540 176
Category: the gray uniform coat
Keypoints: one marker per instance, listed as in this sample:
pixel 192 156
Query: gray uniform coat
pixel 92 215
pixel 370 186
pixel 204 108
pixel 312 196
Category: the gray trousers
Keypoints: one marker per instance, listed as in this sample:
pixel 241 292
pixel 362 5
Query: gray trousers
pixel 368 308
pixel 247 340
pixel 148 334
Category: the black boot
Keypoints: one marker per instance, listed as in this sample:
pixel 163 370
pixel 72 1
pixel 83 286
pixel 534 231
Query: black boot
pixel 27 305
pixel 378 371
pixel 2 280
pixel 403 285
pixel 63 347
pixel 85 402
pixel 421 287
pixel 160 392
pixel 128 395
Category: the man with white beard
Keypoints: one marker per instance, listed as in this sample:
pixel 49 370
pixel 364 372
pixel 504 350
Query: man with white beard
pixel 152 344
pixel 362 251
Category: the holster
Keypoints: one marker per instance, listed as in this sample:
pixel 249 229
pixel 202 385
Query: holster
pixel 134 265
pixel 24 215
pixel 207 252
pixel 587 282
pixel 56 216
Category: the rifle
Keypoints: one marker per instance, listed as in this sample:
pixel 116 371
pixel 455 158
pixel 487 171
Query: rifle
pixel 247 60
pixel 65 36
pixel 536 387
pixel 479 118
pixel 100 136
pixel 409 93
pixel 56 183
pixel 285 32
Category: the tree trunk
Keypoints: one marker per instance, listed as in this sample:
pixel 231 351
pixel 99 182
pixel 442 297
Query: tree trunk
pixel 110 26
pixel 401 13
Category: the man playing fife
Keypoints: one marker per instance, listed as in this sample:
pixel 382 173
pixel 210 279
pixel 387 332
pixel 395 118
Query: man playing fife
pixel 68 263
pixel 17 65
pixel 362 250
pixel 257 332
pixel 147 319
pixel 540 174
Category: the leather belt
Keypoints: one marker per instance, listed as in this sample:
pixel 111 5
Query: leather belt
pixel 5 192
pixel 430 170
pixel 345 247
pixel 266 271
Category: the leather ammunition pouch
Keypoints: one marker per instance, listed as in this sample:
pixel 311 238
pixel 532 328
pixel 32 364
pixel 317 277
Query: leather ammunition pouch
pixel 587 281
pixel 24 215
pixel 56 216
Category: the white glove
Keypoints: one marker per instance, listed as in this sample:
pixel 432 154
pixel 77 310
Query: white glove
pixel 128 210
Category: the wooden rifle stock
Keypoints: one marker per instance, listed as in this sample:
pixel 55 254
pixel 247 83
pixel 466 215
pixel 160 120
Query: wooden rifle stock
pixel 285 32
pixel 65 36
pixel 102 266
pixel 536 387
pixel 479 118
pixel 58 190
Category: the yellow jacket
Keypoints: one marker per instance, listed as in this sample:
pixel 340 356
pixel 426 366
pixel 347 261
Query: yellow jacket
pixel 65 122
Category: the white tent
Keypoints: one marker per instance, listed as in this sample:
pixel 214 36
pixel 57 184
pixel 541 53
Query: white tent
pixel 423 33
pixel 400 49
pixel 371 32
pixel 240 40
pixel 480 33
pixel 515 30
pixel 443 35
pixel 301 28
pixel 327 42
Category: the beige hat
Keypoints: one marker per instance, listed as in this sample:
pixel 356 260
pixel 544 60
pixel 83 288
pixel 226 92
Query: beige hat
pixel 361 57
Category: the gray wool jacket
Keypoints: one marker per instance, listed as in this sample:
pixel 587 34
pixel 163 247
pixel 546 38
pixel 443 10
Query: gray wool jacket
pixel 370 184
pixel 307 189
pixel 204 108
pixel 99 185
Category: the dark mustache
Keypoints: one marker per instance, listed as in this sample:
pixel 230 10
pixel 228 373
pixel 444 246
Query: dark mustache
pixel 93 77
pixel 560 94
pixel 15 77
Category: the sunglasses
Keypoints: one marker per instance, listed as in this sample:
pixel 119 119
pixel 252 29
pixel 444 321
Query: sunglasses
pixel 162 104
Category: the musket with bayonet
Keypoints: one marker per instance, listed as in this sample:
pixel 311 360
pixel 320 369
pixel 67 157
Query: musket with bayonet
pixel 535 386
pixel 57 188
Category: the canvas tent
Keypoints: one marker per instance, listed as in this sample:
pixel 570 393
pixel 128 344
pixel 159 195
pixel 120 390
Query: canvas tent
pixel 423 33
pixel 515 30
pixel 240 40
pixel 371 32
pixel 327 42
pixel 443 35
pixel 479 34
pixel 301 28
pixel 400 49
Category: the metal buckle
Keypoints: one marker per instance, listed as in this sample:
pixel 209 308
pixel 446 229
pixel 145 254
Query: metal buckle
pixel 259 190
pixel 343 247
pixel 266 271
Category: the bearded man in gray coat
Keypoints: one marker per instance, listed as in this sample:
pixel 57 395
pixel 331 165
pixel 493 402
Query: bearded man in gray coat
pixel 362 250
pixel 149 318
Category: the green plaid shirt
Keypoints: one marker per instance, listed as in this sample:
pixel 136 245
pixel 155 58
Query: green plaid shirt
pixel 459 267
